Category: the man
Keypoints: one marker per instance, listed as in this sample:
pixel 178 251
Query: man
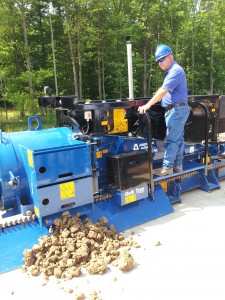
pixel 173 95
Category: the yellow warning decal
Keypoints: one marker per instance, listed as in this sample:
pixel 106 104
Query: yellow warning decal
pixel 130 198
pixel 105 151
pixel 164 186
pixel 99 154
pixel 208 160
pixel 36 211
pixel 30 158
pixel 67 190
pixel 104 123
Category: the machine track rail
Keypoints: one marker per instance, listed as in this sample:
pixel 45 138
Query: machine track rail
pixel 177 177
pixel 214 167
pixel 188 174
pixel 16 220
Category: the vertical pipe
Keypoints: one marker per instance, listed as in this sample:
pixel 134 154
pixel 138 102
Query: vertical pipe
pixel 130 69
pixel 53 54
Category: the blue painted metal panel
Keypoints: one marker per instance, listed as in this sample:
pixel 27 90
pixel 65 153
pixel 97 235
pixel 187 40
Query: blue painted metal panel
pixel 57 165
pixel 135 213
pixel 14 240
pixel 83 194
pixel 11 147
pixel 64 164
pixel 8 162
pixel 35 158
pixel 131 195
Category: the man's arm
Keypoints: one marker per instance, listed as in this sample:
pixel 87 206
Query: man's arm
pixel 156 98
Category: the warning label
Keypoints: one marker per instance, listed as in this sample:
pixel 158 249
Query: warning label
pixel 67 190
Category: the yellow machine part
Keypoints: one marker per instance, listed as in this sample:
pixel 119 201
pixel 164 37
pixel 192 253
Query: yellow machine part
pixel 120 123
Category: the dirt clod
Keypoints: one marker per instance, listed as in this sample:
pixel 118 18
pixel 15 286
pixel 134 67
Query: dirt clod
pixel 94 296
pixel 79 296
pixel 158 243
pixel 125 261
pixel 74 244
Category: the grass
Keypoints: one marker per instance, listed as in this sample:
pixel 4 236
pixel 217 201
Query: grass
pixel 10 120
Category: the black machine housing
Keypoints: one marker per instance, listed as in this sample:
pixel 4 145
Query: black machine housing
pixel 120 117
pixel 207 116
pixel 128 169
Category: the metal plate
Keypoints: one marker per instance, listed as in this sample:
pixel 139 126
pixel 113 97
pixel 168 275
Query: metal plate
pixel 13 241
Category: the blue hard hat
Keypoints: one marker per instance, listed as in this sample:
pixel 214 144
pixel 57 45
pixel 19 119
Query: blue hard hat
pixel 162 51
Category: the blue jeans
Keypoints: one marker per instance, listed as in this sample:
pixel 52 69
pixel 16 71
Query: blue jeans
pixel 175 119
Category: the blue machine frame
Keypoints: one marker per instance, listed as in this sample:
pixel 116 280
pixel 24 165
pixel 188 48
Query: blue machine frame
pixel 48 171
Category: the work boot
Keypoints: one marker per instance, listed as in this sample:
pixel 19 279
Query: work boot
pixel 177 170
pixel 163 172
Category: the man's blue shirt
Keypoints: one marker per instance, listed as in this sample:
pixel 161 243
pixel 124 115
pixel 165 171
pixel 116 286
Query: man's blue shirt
pixel 175 82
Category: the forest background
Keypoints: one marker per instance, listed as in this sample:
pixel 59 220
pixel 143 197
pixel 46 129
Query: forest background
pixel 78 47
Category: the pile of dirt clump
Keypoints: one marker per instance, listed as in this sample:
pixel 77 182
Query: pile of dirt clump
pixel 74 244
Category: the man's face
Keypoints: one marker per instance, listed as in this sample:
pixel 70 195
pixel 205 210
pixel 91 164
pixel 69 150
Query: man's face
pixel 165 62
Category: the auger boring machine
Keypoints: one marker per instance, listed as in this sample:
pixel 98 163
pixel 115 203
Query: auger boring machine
pixel 98 161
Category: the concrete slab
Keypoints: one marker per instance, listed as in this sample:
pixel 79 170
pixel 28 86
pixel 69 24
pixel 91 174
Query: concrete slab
pixel 189 263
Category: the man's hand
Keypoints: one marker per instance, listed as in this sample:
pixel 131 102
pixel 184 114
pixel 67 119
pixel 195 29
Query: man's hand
pixel 142 109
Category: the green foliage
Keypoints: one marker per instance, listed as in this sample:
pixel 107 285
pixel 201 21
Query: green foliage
pixel 17 89
pixel 13 122
pixel 194 29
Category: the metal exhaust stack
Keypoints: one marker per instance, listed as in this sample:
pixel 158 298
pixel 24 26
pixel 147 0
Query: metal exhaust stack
pixel 130 68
